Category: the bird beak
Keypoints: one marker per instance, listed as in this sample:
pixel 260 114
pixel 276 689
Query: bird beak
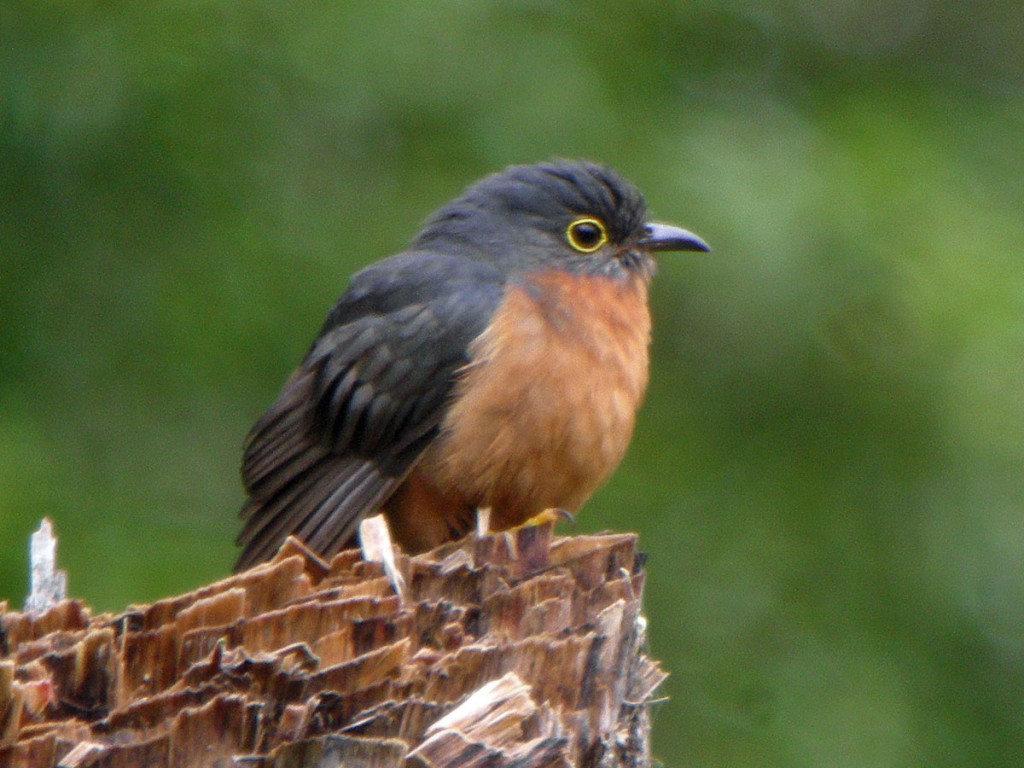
pixel 664 237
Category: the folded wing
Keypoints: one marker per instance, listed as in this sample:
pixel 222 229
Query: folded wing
pixel 367 400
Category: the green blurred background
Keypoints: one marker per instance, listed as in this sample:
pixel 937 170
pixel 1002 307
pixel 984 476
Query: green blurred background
pixel 829 471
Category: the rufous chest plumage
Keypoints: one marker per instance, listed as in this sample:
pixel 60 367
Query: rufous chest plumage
pixel 545 409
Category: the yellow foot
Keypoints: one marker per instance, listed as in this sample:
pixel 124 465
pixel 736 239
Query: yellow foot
pixel 532 528
pixel 549 517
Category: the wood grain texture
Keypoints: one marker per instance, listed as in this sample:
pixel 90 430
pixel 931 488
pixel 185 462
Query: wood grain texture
pixel 515 649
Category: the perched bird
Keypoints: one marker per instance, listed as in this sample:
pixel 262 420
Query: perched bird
pixel 498 363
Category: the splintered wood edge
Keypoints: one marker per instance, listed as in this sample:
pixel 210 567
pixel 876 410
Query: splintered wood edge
pixel 462 649
pixel 506 692
pixel 377 547
pixel 49 585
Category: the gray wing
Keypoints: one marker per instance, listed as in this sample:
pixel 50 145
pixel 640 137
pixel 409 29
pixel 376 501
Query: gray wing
pixel 368 398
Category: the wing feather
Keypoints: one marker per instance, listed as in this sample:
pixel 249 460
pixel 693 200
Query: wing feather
pixel 369 397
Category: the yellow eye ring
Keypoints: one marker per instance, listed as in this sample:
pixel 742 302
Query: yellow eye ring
pixel 586 234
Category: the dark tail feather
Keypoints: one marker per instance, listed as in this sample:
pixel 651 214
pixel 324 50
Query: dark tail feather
pixel 323 507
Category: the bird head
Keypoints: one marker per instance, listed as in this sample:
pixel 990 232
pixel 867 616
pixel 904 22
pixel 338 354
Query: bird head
pixel 575 216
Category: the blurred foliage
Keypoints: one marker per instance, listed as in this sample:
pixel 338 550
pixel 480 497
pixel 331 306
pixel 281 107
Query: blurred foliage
pixel 829 471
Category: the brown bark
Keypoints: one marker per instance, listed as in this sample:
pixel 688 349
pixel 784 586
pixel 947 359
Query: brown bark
pixel 515 649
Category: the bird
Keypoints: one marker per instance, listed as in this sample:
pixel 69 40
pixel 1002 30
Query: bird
pixel 498 363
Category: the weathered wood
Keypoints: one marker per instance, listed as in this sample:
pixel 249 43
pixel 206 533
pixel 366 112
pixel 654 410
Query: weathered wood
pixel 48 584
pixel 514 649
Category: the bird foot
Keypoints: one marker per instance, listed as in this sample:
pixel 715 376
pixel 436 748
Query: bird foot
pixel 549 516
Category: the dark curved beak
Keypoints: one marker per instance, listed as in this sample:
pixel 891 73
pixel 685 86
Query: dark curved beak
pixel 664 237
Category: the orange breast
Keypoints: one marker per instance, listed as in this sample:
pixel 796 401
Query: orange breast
pixel 545 411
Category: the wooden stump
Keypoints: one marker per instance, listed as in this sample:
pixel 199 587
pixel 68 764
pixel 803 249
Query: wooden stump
pixel 515 649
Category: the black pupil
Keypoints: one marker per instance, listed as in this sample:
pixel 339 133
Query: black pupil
pixel 587 234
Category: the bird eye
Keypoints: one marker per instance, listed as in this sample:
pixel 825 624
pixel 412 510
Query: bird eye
pixel 586 235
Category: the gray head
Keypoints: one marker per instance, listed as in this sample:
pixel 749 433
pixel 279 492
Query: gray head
pixel 575 216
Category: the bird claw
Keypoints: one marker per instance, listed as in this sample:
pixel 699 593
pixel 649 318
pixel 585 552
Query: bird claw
pixel 550 516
